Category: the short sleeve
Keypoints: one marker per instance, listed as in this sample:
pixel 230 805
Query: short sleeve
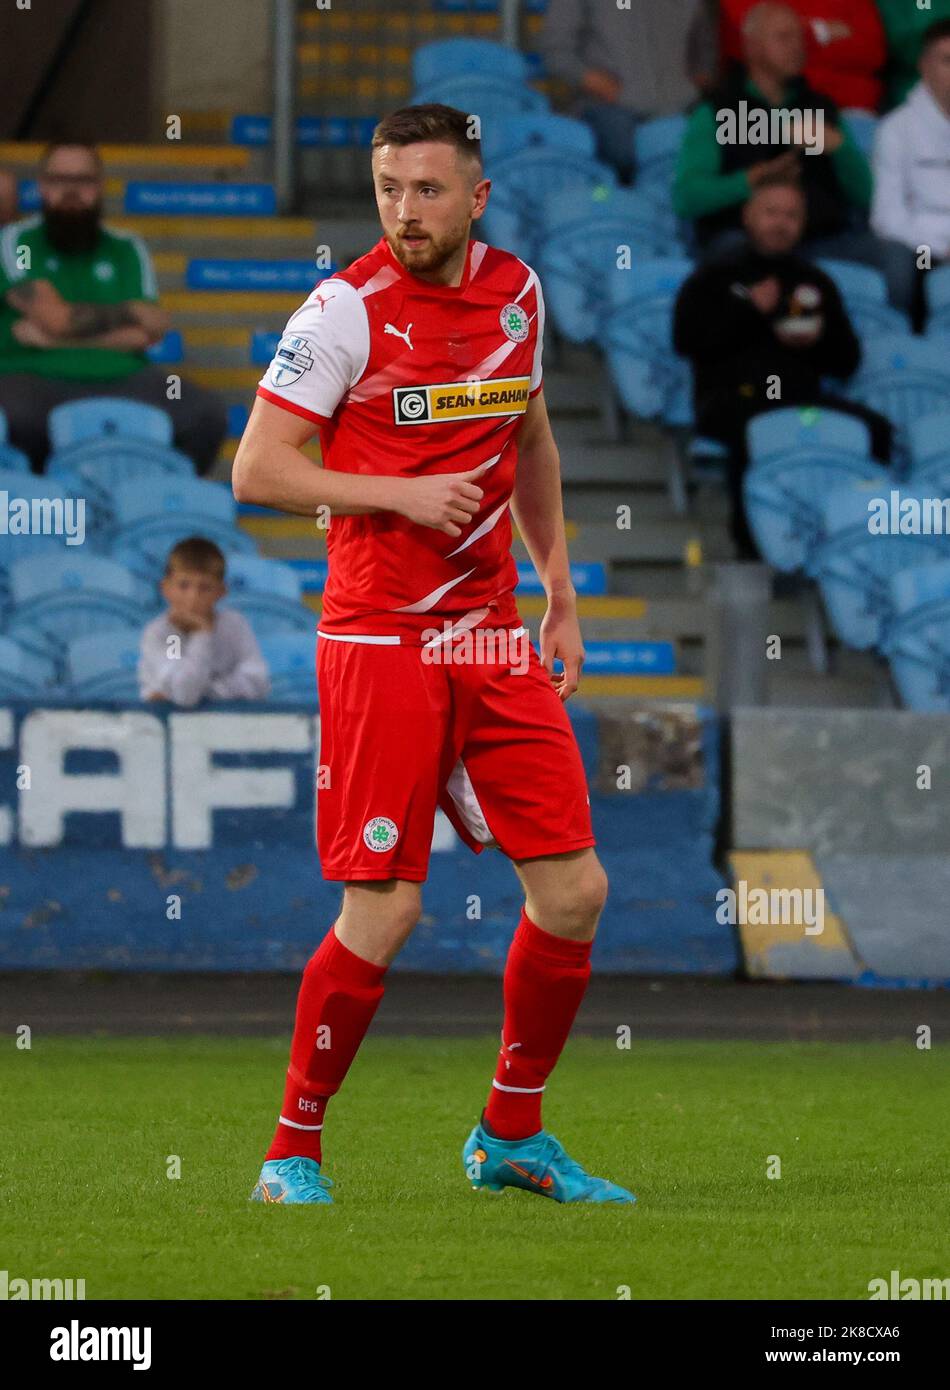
pixel 144 284
pixel 323 353
pixel 536 371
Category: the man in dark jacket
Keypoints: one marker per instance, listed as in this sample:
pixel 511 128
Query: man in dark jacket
pixel 762 328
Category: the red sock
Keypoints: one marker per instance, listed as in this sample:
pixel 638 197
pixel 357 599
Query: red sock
pixel 545 980
pixel 339 995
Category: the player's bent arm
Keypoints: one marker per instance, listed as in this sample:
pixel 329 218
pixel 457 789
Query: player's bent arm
pixel 536 501
pixel 270 470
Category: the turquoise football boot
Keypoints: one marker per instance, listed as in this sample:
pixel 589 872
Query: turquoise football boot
pixel 538 1164
pixel 292 1180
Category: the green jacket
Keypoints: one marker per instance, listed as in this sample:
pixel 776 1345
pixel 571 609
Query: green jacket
pixel 118 268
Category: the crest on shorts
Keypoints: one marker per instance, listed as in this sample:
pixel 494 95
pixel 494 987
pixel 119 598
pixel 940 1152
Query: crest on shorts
pixel 380 834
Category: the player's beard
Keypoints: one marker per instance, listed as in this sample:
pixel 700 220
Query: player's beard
pixel 434 254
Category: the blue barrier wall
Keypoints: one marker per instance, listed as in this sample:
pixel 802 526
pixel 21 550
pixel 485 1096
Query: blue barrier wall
pixel 144 838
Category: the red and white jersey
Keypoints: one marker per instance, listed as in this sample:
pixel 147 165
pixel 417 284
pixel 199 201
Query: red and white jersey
pixel 406 378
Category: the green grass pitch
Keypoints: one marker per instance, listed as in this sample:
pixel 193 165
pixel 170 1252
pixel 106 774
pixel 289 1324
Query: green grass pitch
pixel 862 1132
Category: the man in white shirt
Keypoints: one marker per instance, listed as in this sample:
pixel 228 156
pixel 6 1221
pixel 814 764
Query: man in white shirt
pixel 194 650
pixel 912 160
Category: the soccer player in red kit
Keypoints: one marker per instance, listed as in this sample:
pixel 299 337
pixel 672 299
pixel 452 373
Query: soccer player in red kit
pixel 420 365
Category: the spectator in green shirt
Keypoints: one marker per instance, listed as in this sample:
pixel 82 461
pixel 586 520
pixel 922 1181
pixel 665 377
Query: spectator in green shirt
pixel 905 23
pixel 78 308
pixel 724 159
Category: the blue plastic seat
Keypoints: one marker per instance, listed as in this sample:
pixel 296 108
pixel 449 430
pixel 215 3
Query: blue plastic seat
pixel 577 266
pixel 503 136
pixel 482 95
pixel 566 212
pixel 904 378
pixel 937 285
pixel 928 439
pixel 24 675
pixel 653 383
pixel 854 567
pixel 17 546
pixel 446 58
pixel 74 422
pixel 797 457
pixel 55 598
pixel 151 515
pixel 917 638
pixel 656 148
pixel 794 429
pixel 104 666
pixel 268 594
pixel 864 291
pixel 862 126
pixel 291 660
pixel 513 217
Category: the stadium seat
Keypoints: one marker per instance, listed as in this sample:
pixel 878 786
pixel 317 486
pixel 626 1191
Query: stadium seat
pixel 514 215
pixel 796 460
pixel 16 547
pixel 74 422
pixel 917 638
pixel 447 58
pixel 929 444
pixel 904 378
pixel 24 675
pixel 854 567
pixel 652 381
pixel 862 127
pixel 291 659
pixel 96 468
pixel 69 594
pixel 656 147
pixel 937 285
pixel 506 135
pixel 482 95
pixel 103 667
pixel 577 264
pixel 567 211
pixel 864 291
pixel 151 515
pixel 268 594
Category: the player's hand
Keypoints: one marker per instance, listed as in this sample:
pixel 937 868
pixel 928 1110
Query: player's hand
pixel 561 639
pixel 444 501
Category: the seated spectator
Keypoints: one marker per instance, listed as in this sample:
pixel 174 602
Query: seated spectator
pixel 78 308
pixel 9 197
pixel 762 328
pixel 624 64
pixel 844 42
pixel 905 23
pixel 195 651
pixel 912 161
pixel 719 168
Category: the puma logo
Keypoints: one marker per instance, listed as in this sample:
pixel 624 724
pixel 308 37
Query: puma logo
pixel 399 333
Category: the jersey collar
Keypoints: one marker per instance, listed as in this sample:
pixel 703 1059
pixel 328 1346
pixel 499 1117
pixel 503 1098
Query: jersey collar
pixel 423 285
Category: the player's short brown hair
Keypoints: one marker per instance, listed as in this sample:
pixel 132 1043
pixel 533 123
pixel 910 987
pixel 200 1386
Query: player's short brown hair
pixel 410 125
pixel 196 553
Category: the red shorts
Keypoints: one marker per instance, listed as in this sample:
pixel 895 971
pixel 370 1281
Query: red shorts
pixel 489 741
